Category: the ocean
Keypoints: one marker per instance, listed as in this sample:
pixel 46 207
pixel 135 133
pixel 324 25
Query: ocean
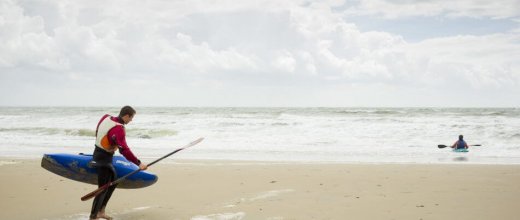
pixel 315 135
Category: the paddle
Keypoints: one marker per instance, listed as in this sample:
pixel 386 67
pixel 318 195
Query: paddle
pixel 104 187
pixel 443 146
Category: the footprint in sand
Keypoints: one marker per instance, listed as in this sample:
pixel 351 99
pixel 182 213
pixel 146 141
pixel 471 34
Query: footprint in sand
pixel 260 196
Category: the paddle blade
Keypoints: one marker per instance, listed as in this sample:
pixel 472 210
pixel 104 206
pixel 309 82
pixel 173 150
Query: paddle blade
pixel 95 192
pixel 441 146
pixel 475 145
pixel 193 143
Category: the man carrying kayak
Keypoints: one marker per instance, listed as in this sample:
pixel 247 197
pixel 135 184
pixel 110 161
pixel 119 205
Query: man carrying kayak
pixel 110 136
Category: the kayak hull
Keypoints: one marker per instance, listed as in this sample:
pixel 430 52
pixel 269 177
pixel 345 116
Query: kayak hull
pixel 78 167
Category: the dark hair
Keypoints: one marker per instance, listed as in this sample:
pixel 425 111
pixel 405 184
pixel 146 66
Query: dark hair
pixel 127 110
pixel 461 137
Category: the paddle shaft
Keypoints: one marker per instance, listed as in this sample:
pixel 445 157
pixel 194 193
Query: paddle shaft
pixel 443 146
pixel 104 187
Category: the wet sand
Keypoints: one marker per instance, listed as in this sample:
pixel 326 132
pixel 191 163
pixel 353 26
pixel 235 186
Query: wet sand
pixel 243 190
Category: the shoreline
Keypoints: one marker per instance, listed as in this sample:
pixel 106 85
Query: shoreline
pixel 202 189
pixel 172 161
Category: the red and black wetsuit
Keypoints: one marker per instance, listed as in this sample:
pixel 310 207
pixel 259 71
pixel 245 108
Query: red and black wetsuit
pixel 103 161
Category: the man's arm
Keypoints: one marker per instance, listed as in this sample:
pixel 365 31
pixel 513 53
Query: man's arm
pixel 118 136
pixel 454 144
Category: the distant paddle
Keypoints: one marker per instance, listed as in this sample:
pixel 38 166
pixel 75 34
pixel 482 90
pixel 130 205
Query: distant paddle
pixel 443 146
pixel 104 187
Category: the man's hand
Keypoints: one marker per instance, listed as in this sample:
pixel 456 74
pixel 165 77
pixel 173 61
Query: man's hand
pixel 143 166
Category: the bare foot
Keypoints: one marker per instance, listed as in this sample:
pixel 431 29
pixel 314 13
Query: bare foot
pixel 103 215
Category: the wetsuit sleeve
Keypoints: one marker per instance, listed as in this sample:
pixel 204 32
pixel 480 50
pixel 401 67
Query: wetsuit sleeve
pixel 118 136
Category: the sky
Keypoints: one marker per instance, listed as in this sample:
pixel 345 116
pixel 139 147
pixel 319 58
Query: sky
pixel 261 53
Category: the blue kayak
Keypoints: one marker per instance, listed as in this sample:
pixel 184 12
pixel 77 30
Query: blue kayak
pixel 77 167
pixel 460 150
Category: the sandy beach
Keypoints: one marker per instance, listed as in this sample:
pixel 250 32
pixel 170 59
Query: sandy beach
pixel 254 190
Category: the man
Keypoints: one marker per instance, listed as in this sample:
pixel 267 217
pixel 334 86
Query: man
pixel 460 144
pixel 110 136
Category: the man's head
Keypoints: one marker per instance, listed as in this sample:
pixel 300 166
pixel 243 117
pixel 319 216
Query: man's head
pixel 461 137
pixel 127 114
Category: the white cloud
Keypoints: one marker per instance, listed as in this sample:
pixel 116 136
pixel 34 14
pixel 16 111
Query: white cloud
pixel 463 8
pixel 285 62
pixel 480 61
pixel 263 48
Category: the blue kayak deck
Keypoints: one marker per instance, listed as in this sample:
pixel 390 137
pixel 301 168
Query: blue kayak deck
pixel 461 150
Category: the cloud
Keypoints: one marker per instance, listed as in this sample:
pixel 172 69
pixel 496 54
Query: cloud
pixel 393 9
pixel 264 48
pixel 476 61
